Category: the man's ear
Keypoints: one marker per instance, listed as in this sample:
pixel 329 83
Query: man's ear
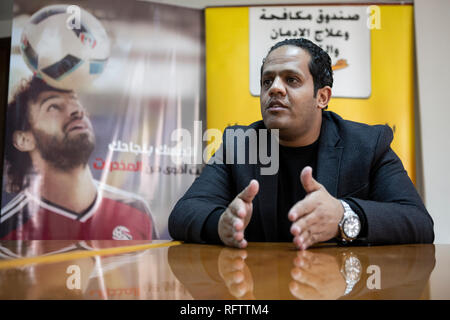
pixel 323 97
pixel 24 141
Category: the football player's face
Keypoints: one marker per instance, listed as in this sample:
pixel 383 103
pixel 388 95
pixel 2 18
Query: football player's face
pixel 60 114
pixel 63 133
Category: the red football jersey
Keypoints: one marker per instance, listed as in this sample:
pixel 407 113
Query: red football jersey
pixel 114 215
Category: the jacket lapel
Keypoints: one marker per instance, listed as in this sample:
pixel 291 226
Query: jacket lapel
pixel 329 156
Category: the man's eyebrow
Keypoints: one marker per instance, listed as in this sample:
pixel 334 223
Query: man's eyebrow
pixel 285 71
pixel 48 98
pixel 293 71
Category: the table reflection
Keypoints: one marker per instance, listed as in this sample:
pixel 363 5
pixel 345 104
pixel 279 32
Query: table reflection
pixel 235 273
pixel 142 274
pixel 277 271
pixel 262 271
pixel 317 276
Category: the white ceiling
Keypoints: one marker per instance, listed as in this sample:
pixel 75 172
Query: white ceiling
pixel 201 4
pixel 6 5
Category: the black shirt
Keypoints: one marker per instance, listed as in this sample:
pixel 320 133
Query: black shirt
pixel 290 189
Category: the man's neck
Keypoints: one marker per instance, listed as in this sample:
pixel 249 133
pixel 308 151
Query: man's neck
pixel 73 189
pixel 301 140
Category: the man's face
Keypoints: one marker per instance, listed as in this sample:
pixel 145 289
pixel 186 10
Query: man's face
pixel 287 92
pixel 62 131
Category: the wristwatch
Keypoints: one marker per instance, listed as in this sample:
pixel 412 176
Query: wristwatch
pixel 349 226
pixel 351 270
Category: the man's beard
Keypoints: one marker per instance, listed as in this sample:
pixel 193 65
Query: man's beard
pixel 65 154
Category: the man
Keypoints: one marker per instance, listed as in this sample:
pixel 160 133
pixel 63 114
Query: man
pixel 49 139
pixel 337 179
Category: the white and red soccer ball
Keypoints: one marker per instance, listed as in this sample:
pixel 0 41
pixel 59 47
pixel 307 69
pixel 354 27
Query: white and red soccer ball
pixel 66 53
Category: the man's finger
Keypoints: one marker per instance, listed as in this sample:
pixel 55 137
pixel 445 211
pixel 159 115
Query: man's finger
pixel 231 229
pixel 238 208
pixel 308 239
pixel 229 220
pixel 310 230
pixel 300 225
pixel 301 208
pixel 242 244
pixel 304 240
pixel 232 242
pixel 250 191
pixel 238 236
pixel 237 224
pixel 307 180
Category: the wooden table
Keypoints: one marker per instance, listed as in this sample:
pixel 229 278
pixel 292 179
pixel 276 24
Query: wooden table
pixel 95 270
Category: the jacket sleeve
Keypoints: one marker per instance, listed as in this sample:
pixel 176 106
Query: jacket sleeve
pixel 210 193
pixel 394 212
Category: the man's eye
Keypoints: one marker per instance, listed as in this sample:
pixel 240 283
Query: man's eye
pixel 53 106
pixel 293 80
pixel 267 82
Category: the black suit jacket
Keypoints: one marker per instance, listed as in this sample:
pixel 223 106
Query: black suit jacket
pixel 354 162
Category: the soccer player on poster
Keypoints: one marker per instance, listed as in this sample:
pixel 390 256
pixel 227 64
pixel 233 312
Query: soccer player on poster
pixel 49 138
pixel 48 141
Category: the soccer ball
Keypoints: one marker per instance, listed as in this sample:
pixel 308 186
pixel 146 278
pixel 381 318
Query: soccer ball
pixel 65 45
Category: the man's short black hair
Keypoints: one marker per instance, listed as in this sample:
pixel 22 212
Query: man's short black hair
pixel 319 65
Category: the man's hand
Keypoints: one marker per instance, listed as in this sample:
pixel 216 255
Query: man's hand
pixel 316 217
pixel 235 218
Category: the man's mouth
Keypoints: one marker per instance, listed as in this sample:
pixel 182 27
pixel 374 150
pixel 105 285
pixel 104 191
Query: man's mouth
pixel 276 105
pixel 76 125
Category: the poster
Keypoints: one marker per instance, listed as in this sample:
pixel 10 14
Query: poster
pixel 341 31
pixel 98 161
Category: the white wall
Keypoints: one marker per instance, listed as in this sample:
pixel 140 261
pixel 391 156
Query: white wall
pixel 432 27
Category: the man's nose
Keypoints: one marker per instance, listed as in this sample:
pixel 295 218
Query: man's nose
pixel 277 87
pixel 75 109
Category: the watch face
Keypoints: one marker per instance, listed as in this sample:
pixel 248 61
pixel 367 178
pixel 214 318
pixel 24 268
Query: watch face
pixel 352 227
pixel 352 268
